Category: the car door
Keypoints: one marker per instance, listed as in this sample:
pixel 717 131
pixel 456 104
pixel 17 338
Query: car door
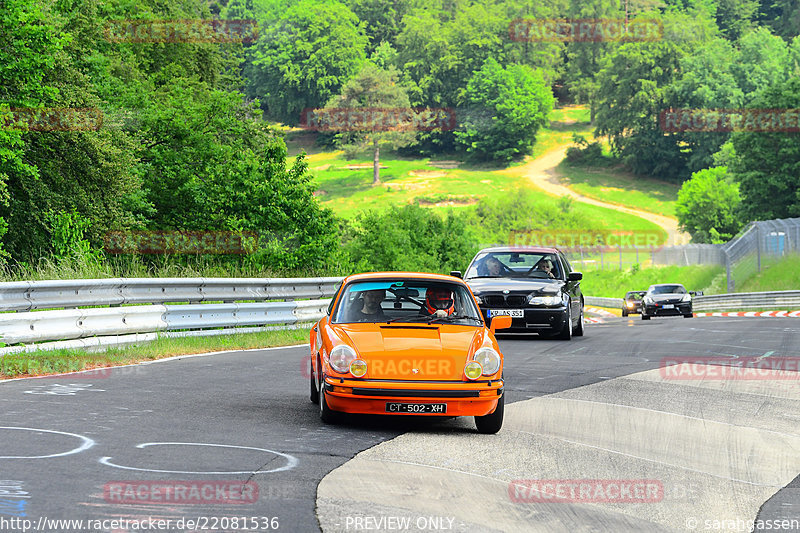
pixel 573 287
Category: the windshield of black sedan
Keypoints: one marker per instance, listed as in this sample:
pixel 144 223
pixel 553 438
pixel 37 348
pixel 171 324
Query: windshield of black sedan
pixel 407 301
pixel 536 265
pixel 668 289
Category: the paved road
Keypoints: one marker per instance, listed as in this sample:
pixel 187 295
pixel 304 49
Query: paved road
pixel 245 417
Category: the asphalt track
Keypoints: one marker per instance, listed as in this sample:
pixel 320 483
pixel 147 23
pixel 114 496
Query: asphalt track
pixel 592 408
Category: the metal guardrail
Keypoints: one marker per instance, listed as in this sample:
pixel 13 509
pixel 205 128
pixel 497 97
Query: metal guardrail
pixel 742 301
pixel 108 312
pixel 75 314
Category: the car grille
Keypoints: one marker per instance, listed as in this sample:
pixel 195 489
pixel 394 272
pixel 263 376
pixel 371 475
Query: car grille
pixel 516 301
pixel 500 301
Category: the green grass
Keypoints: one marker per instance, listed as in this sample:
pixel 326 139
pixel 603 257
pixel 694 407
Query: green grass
pixel 615 283
pixel 619 187
pixel 780 275
pixel 59 361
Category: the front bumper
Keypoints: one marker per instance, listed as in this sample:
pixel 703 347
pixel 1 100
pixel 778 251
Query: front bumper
pixel 476 398
pixel 684 308
pixel 536 319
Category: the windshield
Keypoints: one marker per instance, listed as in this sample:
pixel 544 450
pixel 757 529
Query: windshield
pixel 537 265
pixel 408 300
pixel 668 289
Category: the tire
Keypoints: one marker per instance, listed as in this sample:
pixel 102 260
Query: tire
pixel 624 312
pixel 314 389
pixel 578 331
pixel 645 317
pixel 566 331
pixel 491 423
pixel 690 315
pixel 326 414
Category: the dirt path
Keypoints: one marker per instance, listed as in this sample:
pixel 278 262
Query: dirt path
pixel 542 172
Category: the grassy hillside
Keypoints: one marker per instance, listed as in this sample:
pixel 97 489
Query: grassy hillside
pixel 615 283
pixel 782 275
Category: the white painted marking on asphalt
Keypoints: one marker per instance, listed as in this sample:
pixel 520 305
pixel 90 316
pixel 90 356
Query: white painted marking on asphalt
pixel 57 389
pixel 291 461
pixel 87 443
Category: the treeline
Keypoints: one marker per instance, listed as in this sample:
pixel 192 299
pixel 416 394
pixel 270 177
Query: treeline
pixel 184 145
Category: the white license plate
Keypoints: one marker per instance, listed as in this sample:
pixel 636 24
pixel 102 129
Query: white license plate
pixel 669 306
pixel 514 313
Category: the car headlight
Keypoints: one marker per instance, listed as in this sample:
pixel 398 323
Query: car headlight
pixel 489 360
pixel 479 299
pixel 548 299
pixel 358 368
pixel 629 304
pixel 686 297
pixel 341 357
pixel 647 300
pixel 473 370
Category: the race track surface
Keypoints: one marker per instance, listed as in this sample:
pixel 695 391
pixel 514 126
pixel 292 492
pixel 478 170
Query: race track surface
pixel 79 447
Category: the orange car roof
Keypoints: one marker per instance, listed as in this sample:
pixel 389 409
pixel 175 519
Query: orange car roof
pixel 412 275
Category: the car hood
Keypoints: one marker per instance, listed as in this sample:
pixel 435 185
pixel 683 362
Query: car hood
pixel 412 351
pixel 666 297
pixel 479 285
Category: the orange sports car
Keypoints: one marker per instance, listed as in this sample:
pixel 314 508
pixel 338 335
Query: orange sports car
pixel 400 343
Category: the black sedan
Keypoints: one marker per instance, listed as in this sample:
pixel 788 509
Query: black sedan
pixel 667 299
pixel 535 286
pixel 632 303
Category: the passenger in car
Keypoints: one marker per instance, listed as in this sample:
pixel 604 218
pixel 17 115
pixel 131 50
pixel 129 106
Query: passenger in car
pixel 493 267
pixel 368 307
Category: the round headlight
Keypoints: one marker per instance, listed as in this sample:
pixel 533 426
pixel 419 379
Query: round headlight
pixel 489 360
pixel 358 368
pixel 341 357
pixel 473 370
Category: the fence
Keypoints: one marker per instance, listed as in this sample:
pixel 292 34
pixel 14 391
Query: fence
pixel 98 313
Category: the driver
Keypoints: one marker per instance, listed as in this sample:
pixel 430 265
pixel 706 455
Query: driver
pixel 439 302
pixel 370 309
pixel 546 265
pixel 493 267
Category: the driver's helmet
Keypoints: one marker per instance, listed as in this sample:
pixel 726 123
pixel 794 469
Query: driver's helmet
pixel 439 299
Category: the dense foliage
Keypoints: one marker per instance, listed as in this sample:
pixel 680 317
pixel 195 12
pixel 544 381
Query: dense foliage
pixel 187 140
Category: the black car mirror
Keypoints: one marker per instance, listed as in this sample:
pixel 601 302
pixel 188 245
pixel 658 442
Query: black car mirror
pixel 575 276
pixel 455 273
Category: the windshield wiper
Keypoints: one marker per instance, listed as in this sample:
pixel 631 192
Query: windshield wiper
pixel 454 317
pixel 405 318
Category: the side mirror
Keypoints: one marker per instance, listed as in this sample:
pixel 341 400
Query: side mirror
pixel 500 322
pixel 696 293
pixel 575 276
pixel 455 273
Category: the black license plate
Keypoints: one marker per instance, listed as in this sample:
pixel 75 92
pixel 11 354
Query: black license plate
pixel 415 408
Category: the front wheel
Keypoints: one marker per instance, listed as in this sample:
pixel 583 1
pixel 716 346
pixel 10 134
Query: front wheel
pixel 491 423
pixel 579 329
pixel 326 414
pixel 566 332
pixel 314 389
pixel 645 317
pixel 690 315
pixel 624 313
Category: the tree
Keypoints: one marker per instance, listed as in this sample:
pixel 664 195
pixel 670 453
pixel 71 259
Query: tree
pixel 707 206
pixel 735 17
pixel 374 88
pixel 505 107
pixel 763 60
pixel 382 18
pixel 767 164
pixel 584 58
pixel 303 59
